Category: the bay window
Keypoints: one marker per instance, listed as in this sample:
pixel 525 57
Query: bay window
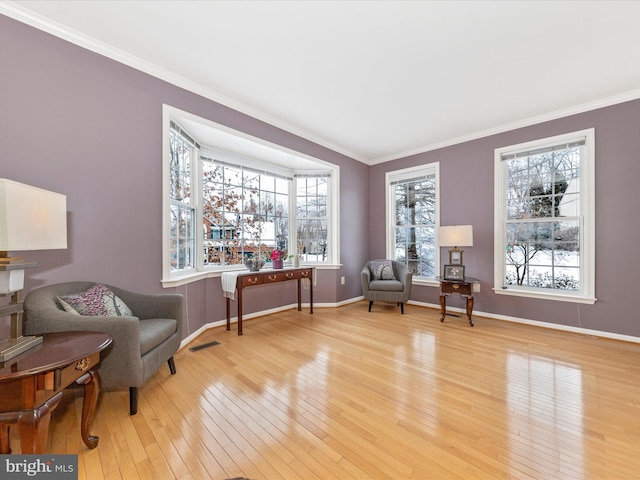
pixel 230 197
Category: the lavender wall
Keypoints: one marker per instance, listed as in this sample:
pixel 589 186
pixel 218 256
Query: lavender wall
pixel 470 167
pixel 78 123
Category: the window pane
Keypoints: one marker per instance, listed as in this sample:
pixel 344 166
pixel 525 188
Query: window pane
pixel 180 168
pixel 182 241
pixel 415 248
pixel 312 240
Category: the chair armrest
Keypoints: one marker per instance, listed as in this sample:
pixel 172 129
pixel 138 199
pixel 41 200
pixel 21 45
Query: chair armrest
pixel 153 306
pixel 365 276
pixel 145 306
pixel 407 280
pixel 406 277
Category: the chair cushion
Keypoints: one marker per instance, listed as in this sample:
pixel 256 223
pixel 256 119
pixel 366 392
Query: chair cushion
pixel 98 300
pixel 386 285
pixel 382 270
pixel 154 331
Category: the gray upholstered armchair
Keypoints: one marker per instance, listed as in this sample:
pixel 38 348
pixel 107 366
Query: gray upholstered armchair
pixel 380 285
pixel 141 342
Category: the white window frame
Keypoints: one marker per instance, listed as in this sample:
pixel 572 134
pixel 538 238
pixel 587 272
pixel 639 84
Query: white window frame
pixel 587 213
pixel 229 141
pixel 402 175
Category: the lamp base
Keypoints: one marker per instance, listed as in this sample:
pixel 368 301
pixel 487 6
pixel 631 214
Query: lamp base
pixel 12 347
pixel 11 280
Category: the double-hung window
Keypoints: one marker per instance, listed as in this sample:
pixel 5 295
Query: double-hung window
pixel 230 198
pixel 413 217
pixel 544 218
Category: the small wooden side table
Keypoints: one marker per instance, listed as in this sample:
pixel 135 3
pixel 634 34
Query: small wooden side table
pixel 31 386
pixel 464 288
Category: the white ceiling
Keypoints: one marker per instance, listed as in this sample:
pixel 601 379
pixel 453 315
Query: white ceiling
pixel 376 80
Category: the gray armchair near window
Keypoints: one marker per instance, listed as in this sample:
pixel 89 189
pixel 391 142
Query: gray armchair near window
pixel 141 343
pixel 395 290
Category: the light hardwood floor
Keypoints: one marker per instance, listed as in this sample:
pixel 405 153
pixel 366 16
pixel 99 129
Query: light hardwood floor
pixel 345 394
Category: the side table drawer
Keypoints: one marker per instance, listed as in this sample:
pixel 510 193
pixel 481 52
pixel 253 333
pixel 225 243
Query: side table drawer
pixel 248 280
pixel 306 273
pixel 77 369
pixel 52 382
pixel 457 287
pixel 274 277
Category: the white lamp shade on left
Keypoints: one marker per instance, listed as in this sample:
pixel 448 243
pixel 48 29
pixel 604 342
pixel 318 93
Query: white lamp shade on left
pixel 31 218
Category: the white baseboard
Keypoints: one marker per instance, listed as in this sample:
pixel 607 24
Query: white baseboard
pixel 536 323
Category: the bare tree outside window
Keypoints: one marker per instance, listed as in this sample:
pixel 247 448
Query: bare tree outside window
pixel 245 213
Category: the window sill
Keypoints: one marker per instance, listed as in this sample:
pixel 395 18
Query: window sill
pixel 425 281
pixel 195 276
pixel 560 297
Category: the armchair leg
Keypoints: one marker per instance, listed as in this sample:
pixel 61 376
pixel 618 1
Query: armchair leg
pixel 133 400
pixel 402 308
pixel 370 303
pixel 172 365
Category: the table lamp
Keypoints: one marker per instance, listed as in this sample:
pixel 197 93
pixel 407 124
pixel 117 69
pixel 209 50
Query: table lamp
pixel 30 219
pixel 456 236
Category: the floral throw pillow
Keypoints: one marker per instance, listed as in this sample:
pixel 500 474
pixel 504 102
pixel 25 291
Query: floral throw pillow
pixel 97 301
pixel 382 270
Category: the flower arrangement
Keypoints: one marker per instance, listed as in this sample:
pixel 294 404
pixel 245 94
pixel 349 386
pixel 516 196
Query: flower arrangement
pixel 278 255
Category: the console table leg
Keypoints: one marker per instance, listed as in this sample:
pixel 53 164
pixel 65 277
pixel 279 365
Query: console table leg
pixel 443 306
pixel 239 310
pixel 91 382
pixel 228 313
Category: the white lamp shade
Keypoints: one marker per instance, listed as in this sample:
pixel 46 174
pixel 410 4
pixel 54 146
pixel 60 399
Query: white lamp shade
pixel 31 218
pixel 456 236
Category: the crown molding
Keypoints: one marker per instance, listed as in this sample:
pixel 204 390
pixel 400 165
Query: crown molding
pixel 585 107
pixel 40 22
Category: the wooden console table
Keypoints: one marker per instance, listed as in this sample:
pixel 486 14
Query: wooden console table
pixel 251 279
pixel 464 288
pixel 31 386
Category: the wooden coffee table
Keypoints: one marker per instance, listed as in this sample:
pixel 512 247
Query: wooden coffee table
pixel 31 386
